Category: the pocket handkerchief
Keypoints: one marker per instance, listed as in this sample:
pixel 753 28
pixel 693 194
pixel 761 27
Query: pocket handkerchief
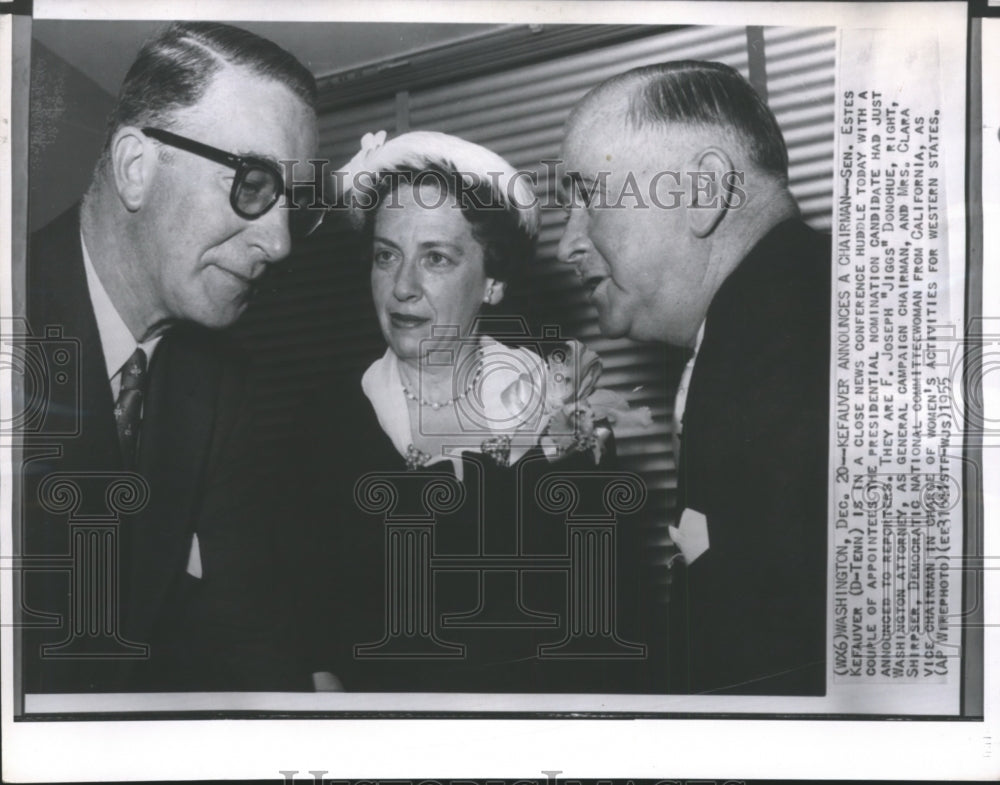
pixel 194 558
pixel 691 536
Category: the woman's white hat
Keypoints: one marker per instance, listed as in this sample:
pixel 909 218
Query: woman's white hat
pixel 421 150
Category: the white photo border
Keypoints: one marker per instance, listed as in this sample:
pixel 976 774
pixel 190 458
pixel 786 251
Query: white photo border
pixel 782 746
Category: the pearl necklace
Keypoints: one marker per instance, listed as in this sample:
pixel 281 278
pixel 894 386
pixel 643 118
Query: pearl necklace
pixel 435 405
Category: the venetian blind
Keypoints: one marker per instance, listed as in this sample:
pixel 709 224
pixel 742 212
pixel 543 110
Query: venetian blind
pixel 319 311
pixel 520 114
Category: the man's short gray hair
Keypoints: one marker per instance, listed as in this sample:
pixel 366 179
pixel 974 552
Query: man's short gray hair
pixel 175 67
pixel 699 93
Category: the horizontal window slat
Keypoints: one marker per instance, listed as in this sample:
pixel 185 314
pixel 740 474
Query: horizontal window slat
pixel 316 317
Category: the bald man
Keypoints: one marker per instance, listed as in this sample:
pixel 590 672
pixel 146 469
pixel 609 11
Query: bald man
pixel 683 230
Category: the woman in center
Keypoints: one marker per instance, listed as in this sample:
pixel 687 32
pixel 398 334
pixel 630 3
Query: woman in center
pixel 443 245
pixel 439 506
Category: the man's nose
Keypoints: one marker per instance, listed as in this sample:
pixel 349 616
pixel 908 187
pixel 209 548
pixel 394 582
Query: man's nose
pixel 271 234
pixel 407 285
pixel 575 242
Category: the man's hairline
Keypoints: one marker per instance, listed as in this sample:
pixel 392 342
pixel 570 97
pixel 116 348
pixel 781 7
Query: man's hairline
pixel 657 135
pixel 174 119
pixel 619 101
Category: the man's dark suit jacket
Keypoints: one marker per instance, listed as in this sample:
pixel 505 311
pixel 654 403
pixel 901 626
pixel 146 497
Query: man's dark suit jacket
pixel 216 632
pixel 749 615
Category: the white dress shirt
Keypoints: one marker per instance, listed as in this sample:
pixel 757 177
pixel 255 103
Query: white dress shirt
pixel 117 340
pixel 118 345
pixel 680 401
pixel 691 533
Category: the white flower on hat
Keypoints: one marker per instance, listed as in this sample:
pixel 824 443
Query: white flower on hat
pixel 360 172
pixel 420 150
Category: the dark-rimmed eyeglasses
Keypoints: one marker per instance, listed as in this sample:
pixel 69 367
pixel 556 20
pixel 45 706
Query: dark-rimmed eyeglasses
pixel 257 185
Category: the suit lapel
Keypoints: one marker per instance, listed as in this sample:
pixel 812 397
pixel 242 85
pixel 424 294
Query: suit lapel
pixel 59 300
pixel 179 412
pixel 78 432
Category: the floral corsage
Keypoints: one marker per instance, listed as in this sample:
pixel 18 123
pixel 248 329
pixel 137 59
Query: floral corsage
pixel 576 415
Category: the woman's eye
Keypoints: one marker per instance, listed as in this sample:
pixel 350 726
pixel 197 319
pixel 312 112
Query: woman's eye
pixel 383 258
pixel 435 259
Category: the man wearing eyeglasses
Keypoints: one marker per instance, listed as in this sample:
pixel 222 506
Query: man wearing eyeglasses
pixel 188 206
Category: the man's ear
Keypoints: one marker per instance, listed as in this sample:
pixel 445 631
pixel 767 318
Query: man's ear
pixel 711 181
pixel 495 291
pixel 133 155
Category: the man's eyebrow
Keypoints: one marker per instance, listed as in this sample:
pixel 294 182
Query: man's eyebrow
pixel 262 157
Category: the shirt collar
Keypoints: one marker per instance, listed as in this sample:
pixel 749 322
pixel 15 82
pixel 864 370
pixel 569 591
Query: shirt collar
pixel 698 339
pixel 117 340
pixel 382 387
pixel 680 399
